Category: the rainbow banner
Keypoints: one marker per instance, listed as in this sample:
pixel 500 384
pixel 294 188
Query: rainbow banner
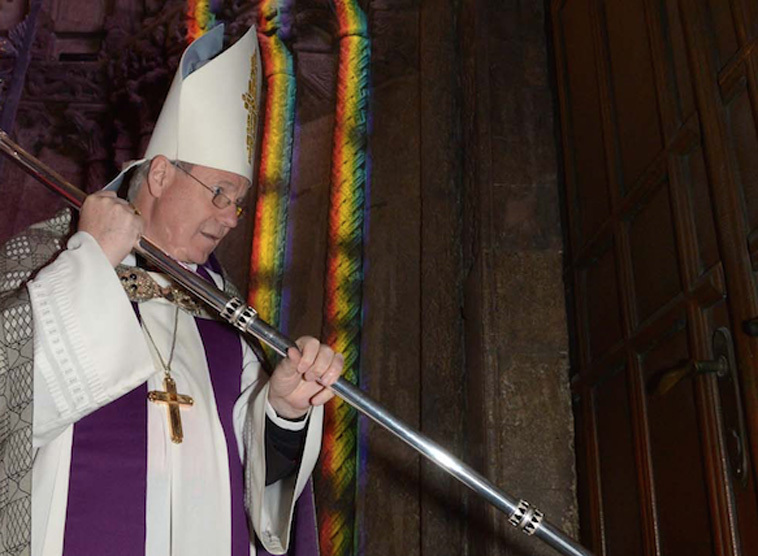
pixel 201 17
pixel 337 476
pixel 270 228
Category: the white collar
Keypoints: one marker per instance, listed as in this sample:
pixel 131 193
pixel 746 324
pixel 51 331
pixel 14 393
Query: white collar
pixel 162 279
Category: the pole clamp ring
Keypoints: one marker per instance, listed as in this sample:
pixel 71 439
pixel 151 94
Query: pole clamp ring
pixel 232 310
pixel 526 518
pixel 245 318
pixel 238 313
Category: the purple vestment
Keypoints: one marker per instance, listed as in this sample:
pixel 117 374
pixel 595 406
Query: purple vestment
pixel 107 487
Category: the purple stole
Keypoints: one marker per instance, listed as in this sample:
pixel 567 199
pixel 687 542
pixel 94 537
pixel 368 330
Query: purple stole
pixel 108 480
pixel 107 485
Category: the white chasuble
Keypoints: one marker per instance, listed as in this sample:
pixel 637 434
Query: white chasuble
pixel 89 351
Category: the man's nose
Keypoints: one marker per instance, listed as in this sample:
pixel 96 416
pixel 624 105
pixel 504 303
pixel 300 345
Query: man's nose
pixel 228 216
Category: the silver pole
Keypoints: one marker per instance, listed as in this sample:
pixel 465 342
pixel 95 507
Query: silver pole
pixel 521 514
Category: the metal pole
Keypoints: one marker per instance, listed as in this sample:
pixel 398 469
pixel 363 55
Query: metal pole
pixel 521 514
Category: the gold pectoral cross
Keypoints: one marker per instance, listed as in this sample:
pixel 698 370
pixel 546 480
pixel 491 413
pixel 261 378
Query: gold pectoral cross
pixel 173 402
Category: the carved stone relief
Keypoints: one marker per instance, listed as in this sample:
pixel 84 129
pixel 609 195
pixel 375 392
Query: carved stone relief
pixel 8 54
pixel 69 16
pixel 12 13
pixel 139 69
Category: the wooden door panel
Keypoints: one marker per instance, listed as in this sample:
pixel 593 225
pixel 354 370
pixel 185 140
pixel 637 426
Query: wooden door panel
pixel 587 168
pixel 657 269
pixel 739 96
pixel 743 146
pixel 621 512
pixel 676 448
pixel 638 126
pixel 587 482
pixel 750 9
pixel 654 263
pixel 602 326
pixel 740 508
pixel 734 79
pixel 674 54
pixel 738 89
pixel 692 179
pixel 719 13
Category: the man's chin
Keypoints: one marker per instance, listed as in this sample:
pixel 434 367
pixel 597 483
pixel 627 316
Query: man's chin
pixel 195 256
pixel 201 258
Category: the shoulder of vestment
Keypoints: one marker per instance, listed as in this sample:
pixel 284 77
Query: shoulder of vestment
pixel 35 247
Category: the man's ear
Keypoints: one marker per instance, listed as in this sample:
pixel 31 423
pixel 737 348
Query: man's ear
pixel 160 175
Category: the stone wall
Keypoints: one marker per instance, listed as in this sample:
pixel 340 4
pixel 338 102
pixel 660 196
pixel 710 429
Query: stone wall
pixel 520 417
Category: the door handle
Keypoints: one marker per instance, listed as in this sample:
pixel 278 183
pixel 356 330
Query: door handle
pixel 665 381
pixel 731 414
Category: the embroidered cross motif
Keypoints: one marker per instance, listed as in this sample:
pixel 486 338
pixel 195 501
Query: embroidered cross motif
pixel 173 402
pixel 250 100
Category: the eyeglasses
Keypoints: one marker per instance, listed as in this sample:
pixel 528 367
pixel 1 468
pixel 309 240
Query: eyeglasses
pixel 220 199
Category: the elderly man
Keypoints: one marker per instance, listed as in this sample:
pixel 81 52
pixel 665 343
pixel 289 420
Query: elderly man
pixel 117 469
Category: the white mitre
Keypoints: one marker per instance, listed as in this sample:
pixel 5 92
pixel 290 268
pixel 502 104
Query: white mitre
pixel 210 116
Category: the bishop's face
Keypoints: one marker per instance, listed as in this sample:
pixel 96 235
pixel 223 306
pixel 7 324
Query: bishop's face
pixel 186 221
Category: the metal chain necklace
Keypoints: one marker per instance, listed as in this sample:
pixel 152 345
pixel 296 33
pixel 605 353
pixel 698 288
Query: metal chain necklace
pixel 170 398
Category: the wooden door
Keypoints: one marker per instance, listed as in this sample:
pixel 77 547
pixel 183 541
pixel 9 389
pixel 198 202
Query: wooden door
pixel 659 112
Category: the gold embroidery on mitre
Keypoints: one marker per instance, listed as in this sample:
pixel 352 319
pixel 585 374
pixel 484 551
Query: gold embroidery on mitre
pixel 250 100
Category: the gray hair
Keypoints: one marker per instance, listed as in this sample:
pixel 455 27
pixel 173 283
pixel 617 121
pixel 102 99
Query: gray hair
pixel 139 176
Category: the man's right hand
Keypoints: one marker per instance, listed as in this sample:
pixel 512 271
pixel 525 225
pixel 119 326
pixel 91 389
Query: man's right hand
pixel 113 223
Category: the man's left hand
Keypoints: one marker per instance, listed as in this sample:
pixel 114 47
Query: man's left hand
pixel 301 379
